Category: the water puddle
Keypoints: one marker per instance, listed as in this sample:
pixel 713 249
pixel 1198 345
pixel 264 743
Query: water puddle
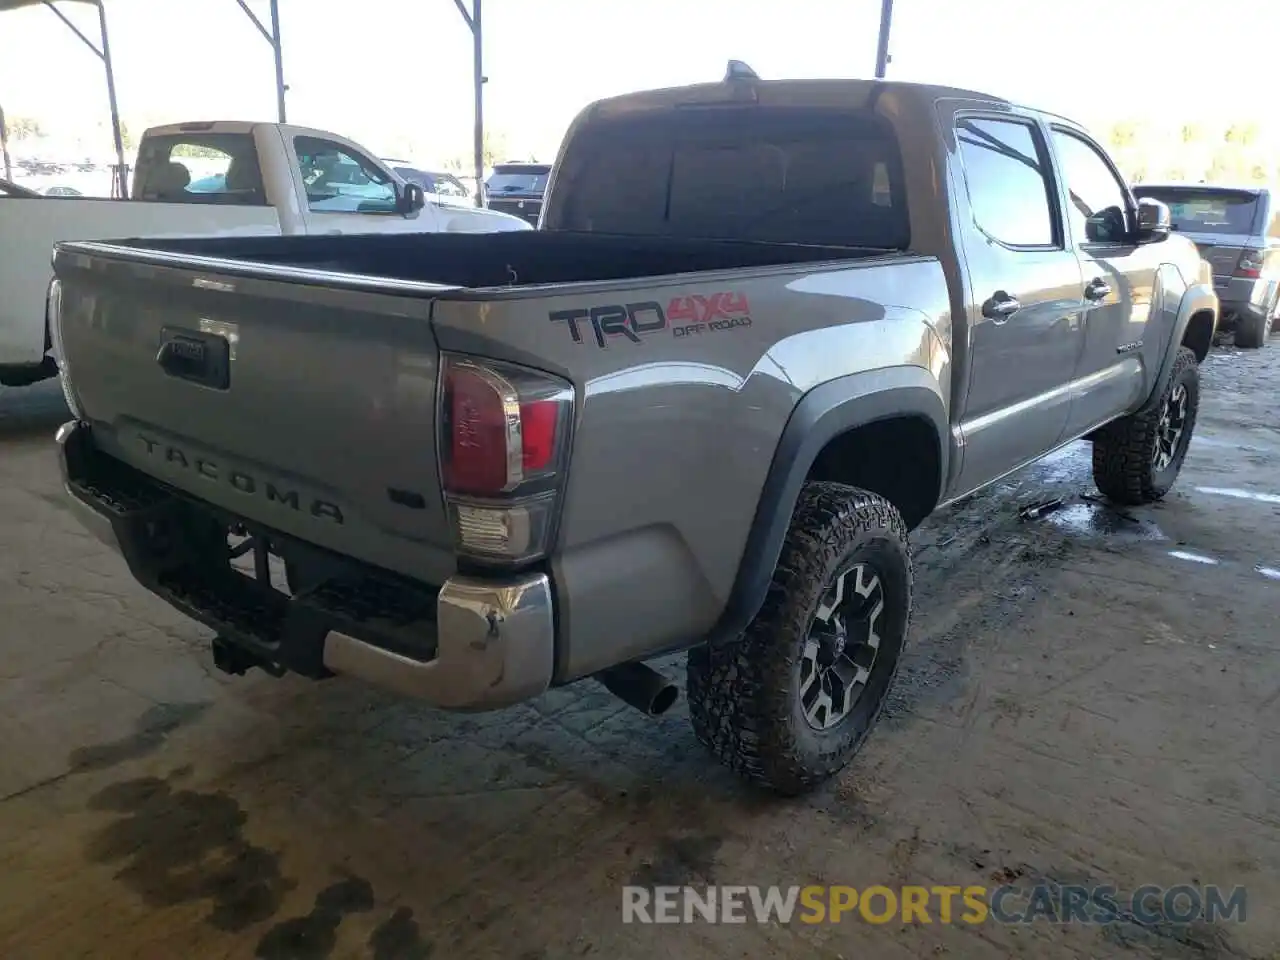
pixel 1073 462
pixel 1271 573
pixel 1096 520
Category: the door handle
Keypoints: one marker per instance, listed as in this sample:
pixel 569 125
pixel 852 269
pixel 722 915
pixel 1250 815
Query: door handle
pixel 1000 307
pixel 1097 289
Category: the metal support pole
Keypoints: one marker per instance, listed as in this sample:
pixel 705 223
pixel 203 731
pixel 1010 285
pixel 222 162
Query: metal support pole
pixel 272 37
pixel 279 53
pixel 882 49
pixel 474 22
pixel 122 171
pixel 103 54
pixel 477 35
pixel 4 146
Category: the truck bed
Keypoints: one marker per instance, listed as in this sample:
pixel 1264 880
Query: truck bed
pixel 516 259
pixel 309 411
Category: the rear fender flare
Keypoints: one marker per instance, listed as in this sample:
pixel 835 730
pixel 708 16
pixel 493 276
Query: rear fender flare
pixel 825 412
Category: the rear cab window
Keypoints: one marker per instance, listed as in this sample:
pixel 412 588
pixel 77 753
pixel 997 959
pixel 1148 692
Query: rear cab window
pixel 200 167
pixel 1196 210
pixel 518 178
pixel 783 175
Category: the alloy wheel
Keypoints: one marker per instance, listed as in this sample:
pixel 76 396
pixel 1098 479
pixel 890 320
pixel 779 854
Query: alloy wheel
pixel 841 647
pixel 1173 421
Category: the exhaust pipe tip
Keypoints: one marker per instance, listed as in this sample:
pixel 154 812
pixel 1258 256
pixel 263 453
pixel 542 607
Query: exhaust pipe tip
pixel 640 686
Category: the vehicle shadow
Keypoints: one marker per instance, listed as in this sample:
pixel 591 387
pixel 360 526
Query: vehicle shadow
pixel 27 412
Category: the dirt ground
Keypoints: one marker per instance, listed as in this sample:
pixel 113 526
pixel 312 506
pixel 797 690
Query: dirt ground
pixel 1090 697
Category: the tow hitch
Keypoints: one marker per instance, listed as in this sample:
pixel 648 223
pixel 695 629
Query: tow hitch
pixel 237 661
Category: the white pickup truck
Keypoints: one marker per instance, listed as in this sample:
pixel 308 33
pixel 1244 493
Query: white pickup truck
pixel 211 179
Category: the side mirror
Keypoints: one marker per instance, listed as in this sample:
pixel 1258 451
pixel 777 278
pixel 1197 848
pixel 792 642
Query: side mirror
pixel 412 198
pixel 1154 220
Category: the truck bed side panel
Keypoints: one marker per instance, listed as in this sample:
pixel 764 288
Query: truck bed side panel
pixel 681 411
pixel 325 431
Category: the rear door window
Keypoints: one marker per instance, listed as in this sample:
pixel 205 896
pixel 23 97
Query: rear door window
pixel 818 177
pixel 195 167
pixel 1006 173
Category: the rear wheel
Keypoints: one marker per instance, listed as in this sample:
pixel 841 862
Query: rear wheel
pixel 1137 458
pixel 1251 332
pixel 789 703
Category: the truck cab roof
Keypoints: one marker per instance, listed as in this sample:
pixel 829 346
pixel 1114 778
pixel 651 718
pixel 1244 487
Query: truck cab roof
pixel 784 93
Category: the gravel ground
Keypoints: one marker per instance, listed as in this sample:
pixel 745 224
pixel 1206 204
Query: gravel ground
pixel 1089 698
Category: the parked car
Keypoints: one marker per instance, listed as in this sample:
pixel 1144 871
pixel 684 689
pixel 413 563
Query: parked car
pixel 1237 230
pixel 61 190
pixel 517 188
pixel 666 420
pixel 439 186
pixel 225 178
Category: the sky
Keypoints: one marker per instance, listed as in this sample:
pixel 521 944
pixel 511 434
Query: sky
pixel 395 75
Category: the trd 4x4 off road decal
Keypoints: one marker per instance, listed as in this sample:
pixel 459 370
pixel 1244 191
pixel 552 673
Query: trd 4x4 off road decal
pixel 688 316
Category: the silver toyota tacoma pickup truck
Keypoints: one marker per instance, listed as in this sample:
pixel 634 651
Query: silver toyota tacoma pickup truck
pixel 764 329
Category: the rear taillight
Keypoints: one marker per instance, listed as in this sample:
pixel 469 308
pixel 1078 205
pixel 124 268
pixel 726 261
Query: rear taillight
pixel 504 440
pixel 1252 264
pixel 53 319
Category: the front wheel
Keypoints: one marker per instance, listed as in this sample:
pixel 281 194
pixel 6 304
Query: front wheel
pixel 789 703
pixel 1137 458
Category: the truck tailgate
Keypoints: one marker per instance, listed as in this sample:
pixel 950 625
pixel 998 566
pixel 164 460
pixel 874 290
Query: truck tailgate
pixel 304 408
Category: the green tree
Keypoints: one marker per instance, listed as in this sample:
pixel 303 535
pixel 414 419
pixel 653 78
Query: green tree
pixel 1226 166
pixel 24 128
pixel 496 148
pixel 1243 134
pixel 197 152
pixel 1192 133
pixel 1122 134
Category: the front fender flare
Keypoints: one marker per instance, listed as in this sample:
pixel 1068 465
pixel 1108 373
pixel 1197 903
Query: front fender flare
pixel 822 414
pixel 1197 298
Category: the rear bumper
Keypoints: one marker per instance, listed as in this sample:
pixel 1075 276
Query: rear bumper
pixel 1245 297
pixel 527 208
pixel 472 644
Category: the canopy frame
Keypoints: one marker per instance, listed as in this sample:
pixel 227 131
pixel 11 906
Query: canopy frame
pixel 102 50
pixel 272 36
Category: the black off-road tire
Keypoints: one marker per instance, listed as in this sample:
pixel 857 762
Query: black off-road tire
pixel 1124 451
pixel 1251 332
pixel 744 697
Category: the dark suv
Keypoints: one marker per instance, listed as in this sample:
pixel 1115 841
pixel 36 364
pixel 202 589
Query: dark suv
pixel 517 188
pixel 1238 232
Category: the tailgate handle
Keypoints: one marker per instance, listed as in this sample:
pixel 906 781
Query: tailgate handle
pixel 203 358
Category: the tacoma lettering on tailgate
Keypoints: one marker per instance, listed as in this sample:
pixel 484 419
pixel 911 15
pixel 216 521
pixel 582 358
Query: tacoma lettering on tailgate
pixel 272 491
